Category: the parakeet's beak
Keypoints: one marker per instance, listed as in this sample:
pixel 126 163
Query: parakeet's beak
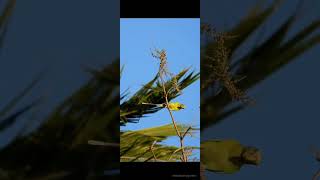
pixel 252 155
pixel 182 106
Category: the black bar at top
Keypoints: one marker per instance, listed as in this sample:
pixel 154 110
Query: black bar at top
pixel 160 8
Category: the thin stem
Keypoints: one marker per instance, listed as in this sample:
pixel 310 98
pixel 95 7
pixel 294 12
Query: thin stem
pixel 167 103
pixel 184 157
pixel 151 149
pixel 174 153
pixel 161 55
pixel 185 133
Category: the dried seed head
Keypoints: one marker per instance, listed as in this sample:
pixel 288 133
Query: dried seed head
pixel 217 62
pixel 161 55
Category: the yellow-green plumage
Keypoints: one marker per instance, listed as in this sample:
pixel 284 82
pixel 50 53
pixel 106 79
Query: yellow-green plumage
pixel 173 106
pixel 176 106
pixel 227 156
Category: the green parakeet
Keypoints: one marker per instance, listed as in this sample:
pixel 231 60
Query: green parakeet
pixel 227 156
pixel 173 106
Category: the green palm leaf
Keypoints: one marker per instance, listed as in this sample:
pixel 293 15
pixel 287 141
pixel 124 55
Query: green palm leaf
pixel 133 109
pixel 135 145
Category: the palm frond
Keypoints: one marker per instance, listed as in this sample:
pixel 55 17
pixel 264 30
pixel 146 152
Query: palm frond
pixel 133 109
pixel 12 118
pixel 13 103
pixel 4 19
pixel 135 145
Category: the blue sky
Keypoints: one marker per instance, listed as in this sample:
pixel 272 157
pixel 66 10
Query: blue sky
pixel 181 39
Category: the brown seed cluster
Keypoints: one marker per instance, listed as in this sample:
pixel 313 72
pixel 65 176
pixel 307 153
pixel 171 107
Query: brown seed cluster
pixel 163 68
pixel 217 61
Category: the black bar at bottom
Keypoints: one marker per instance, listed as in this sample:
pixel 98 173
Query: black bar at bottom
pixel 167 170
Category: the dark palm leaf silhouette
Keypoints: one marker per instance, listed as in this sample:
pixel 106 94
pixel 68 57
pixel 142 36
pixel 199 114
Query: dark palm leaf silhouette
pixel 4 19
pixel 59 147
pixel 11 119
pixel 7 116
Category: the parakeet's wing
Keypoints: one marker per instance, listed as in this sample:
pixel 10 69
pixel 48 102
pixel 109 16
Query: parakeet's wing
pixel 173 106
pixel 217 155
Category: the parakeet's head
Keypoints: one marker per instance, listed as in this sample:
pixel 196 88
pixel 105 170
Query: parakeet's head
pixel 181 106
pixel 251 155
